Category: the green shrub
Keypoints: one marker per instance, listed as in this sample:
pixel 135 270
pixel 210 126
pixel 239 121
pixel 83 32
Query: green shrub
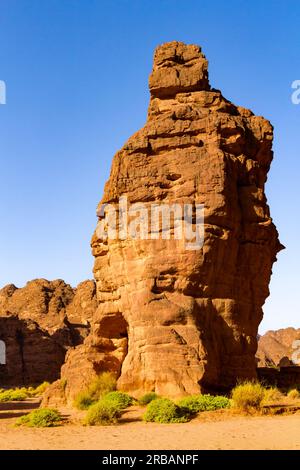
pixel 30 392
pixel 13 395
pixel 163 410
pixel 196 403
pixel 147 398
pixel 120 399
pixel 102 413
pixel 100 386
pixel 248 395
pixel 104 383
pixel 18 395
pixel 272 394
pixel 83 401
pixel 294 394
pixel 38 391
pixel 21 394
pixel 42 418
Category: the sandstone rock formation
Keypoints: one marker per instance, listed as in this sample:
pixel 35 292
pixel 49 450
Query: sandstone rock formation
pixel 32 354
pixel 275 348
pixel 169 319
pixel 38 324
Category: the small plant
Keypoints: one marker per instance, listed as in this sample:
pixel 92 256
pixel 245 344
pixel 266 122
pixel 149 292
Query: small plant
pixel 21 394
pixel 163 410
pixel 30 392
pixel 197 403
pixel 248 396
pixel 83 400
pixel 13 395
pixel 102 385
pixel 272 394
pixel 148 398
pixel 42 418
pixel 294 394
pixel 120 399
pixel 38 391
pixel 102 413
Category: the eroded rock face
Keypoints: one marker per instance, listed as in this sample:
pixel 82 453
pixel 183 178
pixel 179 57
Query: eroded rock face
pixel 169 319
pixel 32 354
pixel 38 324
pixel 278 348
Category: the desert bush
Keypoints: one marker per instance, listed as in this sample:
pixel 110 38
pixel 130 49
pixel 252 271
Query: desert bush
pixel 21 394
pixel 104 383
pixel 100 386
pixel 196 403
pixel 83 400
pixel 102 413
pixel 272 394
pixel 147 398
pixel 38 391
pixel 30 391
pixel 248 395
pixel 41 418
pixel 120 399
pixel 163 410
pixel 13 395
pixel 294 394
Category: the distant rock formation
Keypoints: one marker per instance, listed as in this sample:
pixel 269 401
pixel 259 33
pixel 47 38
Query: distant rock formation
pixel 169 319
pixel 38 324
pixel 275 348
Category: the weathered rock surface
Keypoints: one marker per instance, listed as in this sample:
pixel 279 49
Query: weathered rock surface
pixel 275 348
pixel 32 354
pixel 38 324
pixel 169 319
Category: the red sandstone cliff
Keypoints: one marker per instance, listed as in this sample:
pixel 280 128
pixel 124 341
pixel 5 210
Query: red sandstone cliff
pixel 170 319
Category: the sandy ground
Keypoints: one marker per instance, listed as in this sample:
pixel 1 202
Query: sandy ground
pixel 209 431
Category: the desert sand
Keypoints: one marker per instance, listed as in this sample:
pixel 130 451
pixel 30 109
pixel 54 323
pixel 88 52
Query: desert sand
pixel 208 431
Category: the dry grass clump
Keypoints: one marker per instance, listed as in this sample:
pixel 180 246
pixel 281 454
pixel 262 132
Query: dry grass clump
pixel 273 395
pixel 100 386
pixel 248 396
pixel 294 394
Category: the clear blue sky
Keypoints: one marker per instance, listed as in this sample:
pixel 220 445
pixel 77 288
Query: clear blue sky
pixel 76 73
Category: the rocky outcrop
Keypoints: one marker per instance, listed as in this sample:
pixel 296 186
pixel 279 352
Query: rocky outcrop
pixel 32 354
pixel 38 324
pixel 278 348
pixel 172 319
